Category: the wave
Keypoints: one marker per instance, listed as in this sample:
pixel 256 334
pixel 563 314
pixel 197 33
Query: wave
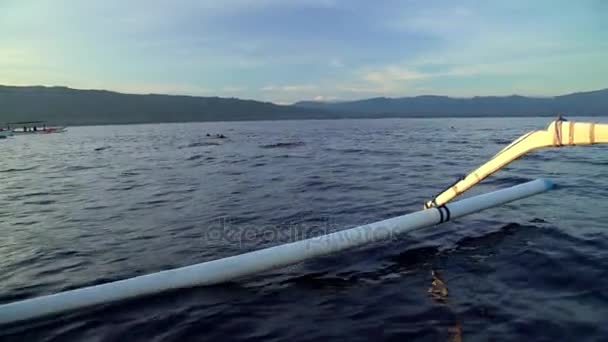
pixel 41 202
pixel 195 157
pixel 200 144
pixel 284 144
pixel 321 280
pixel 346 150
pixel 510 180
pixel 458 142
pixel 416 255
pixel 490 238
pixel 27 195
pixel 588 162
pixel 127 187
pixel 19 170
pixel 537 157
pixel 501 141
pixel 80 168
pixel 363 151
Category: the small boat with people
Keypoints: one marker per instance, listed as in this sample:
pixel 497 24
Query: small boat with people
pixel 34 127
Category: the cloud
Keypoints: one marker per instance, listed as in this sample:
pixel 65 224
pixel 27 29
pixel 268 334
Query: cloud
pixel 321 98
pixel 289 88
pixel 357 90
pixel 393 74
pixel 389 80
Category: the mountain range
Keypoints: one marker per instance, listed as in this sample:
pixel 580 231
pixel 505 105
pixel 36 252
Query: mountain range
pixel 62 105
pixel 584 103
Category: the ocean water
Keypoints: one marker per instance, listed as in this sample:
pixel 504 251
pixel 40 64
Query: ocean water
pixel 98 204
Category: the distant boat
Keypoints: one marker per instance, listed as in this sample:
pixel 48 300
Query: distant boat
pixel 5 133
pixel 35 127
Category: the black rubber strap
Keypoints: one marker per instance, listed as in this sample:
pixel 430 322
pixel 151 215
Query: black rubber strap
pixel 447 213
pixel 440 214
pixel 443 217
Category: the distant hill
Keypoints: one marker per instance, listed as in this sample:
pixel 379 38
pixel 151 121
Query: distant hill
pixel 61 105
pixel 585 103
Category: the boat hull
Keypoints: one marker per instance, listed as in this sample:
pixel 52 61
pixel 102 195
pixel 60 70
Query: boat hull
pixel 47 130
pixel 5 134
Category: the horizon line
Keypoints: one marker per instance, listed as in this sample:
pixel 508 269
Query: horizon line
pixel 294 103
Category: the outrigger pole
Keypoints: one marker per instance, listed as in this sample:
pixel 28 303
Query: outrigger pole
pixel 238 266
pixel 560 132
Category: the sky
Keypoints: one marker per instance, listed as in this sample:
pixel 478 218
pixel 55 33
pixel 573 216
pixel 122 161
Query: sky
pixel 289 50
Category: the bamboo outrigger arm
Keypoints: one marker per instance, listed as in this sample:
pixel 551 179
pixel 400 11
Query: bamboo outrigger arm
pixel 560 133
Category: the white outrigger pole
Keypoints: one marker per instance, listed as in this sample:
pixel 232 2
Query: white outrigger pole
pixel 230 268
pixel 222 270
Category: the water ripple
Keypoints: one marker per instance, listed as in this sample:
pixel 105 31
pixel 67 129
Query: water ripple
pixel 103 205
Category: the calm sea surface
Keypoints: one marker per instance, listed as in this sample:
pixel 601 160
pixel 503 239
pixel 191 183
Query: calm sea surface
pixel 98 204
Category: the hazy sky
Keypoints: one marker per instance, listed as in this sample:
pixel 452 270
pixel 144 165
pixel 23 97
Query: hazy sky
pixel 289 50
